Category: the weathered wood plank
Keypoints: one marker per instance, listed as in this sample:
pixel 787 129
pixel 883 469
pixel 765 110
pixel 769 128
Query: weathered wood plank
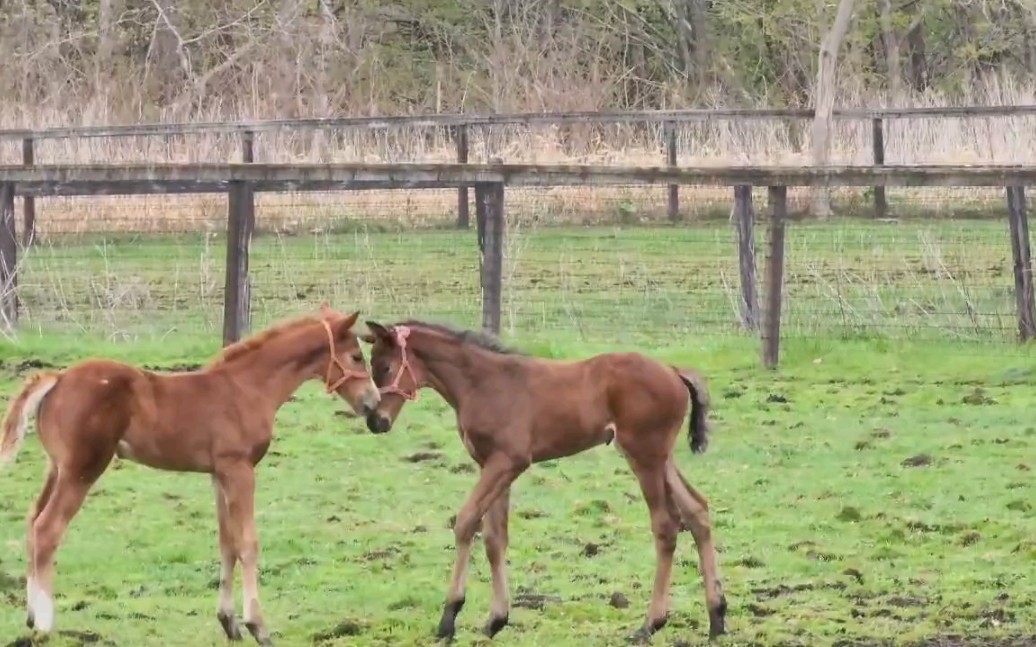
pixel 493 259
pixel 534 118
pixel 237 287
pixel 204 177
pixel 744 214
pixel 8 259
pixel 1022 255
pixel 881 205
pixel 28 201
pixel 771 329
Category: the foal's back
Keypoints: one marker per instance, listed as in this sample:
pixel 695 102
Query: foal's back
pixel 101 407
pixel 576 404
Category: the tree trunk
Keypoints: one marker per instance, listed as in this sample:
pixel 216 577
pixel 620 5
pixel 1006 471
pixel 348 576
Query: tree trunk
pixel 698 18
pixel 890 42
pixel 824 100
pixel 916 48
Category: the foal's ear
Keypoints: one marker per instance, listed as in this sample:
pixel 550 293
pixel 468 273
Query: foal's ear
pixel 379 332
pixel 350 320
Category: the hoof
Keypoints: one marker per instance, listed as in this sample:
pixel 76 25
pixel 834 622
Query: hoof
pixel 494 626
pixel 445 631
pixel 447 624
pixel 259 633
pixel 229 624
pixel 643 635
pixel 717 619
pixel 30 620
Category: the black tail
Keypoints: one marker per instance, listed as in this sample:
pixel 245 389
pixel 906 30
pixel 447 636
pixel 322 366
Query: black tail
pixel 698 423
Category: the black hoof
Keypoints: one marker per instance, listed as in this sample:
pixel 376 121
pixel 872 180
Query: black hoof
pixel 260 634
pixel 643 635
pixel 448 622
pixel 446 630
pixel 717 619
pixel 494 626
pixel 30 620
pixel 229 624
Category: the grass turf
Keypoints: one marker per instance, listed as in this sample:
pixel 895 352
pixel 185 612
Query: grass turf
pixel 870 490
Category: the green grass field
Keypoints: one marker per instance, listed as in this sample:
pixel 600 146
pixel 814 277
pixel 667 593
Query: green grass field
pixel 873 490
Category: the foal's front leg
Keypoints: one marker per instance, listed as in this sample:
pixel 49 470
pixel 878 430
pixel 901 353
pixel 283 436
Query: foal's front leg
pixel 494 535
pixel 497 475
pixel 228 560
pixel 237 480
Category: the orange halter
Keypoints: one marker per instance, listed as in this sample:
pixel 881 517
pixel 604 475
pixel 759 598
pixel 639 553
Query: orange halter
pixel 347 374
pixel 402 332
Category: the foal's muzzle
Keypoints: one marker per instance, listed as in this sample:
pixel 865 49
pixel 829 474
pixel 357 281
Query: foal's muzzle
pixel 370 402
pixel 377 423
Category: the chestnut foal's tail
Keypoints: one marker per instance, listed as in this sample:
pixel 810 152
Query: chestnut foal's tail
pixel 22 407
pixel 698 423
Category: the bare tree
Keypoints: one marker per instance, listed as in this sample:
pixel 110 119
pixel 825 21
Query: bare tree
pixel 890 43
pixel 824 100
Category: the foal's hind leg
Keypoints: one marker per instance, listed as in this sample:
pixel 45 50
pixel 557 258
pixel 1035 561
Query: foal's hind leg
pixel 34 513
pixel 651 474
pixel 69 492
pixel 694 509
pixel 228 560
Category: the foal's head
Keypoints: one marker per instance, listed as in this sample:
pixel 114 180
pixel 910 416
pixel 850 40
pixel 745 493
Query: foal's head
pixel 345 371
pixel 393 369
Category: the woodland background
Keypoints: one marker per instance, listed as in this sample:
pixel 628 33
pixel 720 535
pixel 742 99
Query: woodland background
pixel 117 61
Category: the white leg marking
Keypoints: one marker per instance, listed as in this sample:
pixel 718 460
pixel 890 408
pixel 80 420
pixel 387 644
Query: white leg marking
pixel 43 608
pixel 28 593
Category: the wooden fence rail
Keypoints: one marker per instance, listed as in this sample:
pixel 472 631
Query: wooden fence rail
pixel 241 181
pixel 461 126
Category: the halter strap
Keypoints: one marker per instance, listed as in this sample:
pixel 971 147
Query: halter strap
pixel 347 374
pixel 402 332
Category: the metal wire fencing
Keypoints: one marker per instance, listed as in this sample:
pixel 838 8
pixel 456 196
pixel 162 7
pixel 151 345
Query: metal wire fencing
pixel 594 264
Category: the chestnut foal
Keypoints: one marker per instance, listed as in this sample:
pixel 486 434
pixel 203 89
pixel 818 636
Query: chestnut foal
pixel 216 420
pixel 514 410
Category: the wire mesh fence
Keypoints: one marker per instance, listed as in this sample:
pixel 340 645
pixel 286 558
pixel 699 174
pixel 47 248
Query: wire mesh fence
pixel 600 264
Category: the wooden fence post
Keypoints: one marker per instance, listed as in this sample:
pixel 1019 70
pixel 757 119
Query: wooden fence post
pixel 674 189
pixel 237 288
pixel 482 199
pixel 8 258
pixel 881 205
pixel 247 147
pixel 460 138
pixel 28 202
pixel 493 257
pixel 1023 289
pixel 744 211
pixel 778 203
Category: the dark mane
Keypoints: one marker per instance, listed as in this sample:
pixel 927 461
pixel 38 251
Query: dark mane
pixel 478 338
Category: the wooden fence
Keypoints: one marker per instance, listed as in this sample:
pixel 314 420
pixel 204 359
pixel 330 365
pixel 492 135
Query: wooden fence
pixel 241 181
pixel 461 126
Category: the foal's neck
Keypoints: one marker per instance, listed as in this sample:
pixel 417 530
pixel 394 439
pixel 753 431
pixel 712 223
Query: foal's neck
pixel 455 370
pixel 280 366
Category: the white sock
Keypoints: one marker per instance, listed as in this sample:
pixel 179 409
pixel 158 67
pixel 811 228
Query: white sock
pixel 43 608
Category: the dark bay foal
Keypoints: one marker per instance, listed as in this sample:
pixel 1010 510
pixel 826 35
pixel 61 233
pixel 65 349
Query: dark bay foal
pixel 514 410
pixel 217 420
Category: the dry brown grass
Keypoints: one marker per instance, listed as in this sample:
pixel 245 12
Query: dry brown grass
pixel 712 143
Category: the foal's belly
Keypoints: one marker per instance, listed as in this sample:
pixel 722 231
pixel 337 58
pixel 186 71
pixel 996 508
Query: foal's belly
pixel 161 453
pixel 558 441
